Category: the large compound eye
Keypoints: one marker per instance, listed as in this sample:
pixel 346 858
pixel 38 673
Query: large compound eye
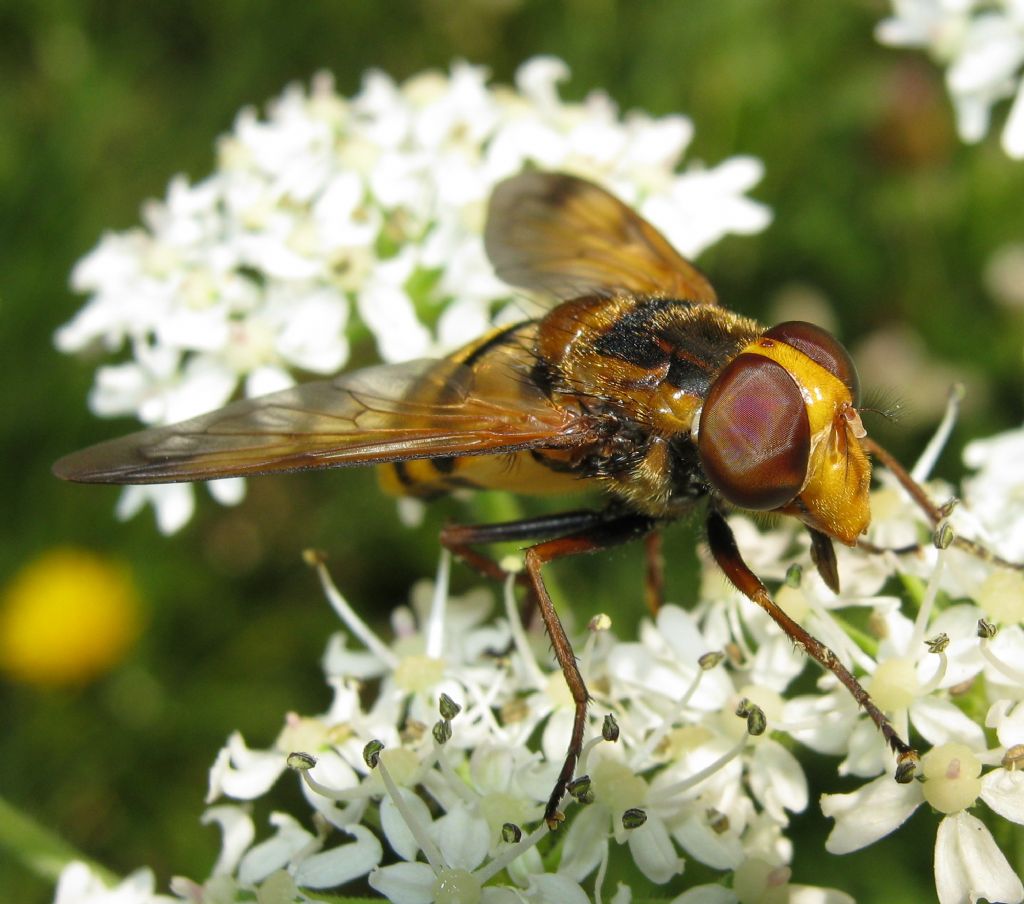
pixel 754 437
pixel 822 348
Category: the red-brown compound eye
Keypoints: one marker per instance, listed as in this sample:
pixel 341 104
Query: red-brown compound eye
pixel 754 437
pixel 822 348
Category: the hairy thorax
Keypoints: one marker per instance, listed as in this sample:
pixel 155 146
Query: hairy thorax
pixel 643 365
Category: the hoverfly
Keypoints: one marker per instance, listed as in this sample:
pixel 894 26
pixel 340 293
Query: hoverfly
pixel 637 383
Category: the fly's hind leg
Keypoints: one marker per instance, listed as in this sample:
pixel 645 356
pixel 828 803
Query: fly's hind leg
pixel 582 532
pixel 460 540
pixel 654 573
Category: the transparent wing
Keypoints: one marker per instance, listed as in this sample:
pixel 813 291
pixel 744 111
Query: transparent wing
pixel 568 237
pixel 420 409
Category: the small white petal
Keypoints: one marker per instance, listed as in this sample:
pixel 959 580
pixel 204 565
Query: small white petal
pixel 706 894
pixel 1007 718
pixel 538 80
pixel 623 895
pixel 1003 791
pixel 275 853
pixel 204 330
pixel 76 880
pixel 121 389
pixel 558 729
pixel 585 843
pixel 811 894
pixel 969 865
pixel 869 813
pixel 525 865
pixel 312 336
pixel 173 502
pixel 237 833
pixel 405 883
pixel 205 384
pixel 718 850
pixel 776 777
pixel 989 58
pixel 867 754
pixel 79 885
pixel 555 889
pixel 1008 648
pixel 342 662
pixel 1013 132
pixel 227 491
pixel 267 379
pixel 654 853
pixel 396 830
pixel 659 142
pixel 463 838
pixel 342 863
pixel 776 663
pixel 243 773
pixel 942 722
pixel 389 313
pixel 825 722
pixel 972 116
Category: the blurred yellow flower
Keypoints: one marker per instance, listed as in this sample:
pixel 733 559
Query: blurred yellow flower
pixel 67 617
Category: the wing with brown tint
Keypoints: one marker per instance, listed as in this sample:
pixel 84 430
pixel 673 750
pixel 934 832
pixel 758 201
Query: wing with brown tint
pixel 421 409
pixel 555 233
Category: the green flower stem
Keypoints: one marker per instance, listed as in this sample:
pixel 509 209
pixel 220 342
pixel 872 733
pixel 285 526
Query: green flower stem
pixel 40 850
pixel 914 589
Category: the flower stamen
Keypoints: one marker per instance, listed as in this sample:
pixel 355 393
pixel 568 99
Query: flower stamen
pixel 1004 668
pixel 692 781
pixel 438 607
pixel 418 831
pixel 519 638
pixel 348 615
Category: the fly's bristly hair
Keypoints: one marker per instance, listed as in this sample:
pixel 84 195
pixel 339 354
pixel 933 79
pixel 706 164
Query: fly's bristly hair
pixel 884 401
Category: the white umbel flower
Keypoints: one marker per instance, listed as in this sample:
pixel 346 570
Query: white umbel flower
pixel 79 884
pixel 981 45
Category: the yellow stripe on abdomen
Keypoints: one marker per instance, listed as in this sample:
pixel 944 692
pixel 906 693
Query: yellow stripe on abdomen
pixel 519 472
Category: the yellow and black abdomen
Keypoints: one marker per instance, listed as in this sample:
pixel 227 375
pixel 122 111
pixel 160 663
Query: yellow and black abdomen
pixel 517 472
pixel 502 365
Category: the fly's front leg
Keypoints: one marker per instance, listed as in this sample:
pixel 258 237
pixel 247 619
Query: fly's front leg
pixel 935 513
pixel 727 555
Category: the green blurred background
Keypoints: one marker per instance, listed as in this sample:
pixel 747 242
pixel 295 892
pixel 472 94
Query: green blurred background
pixel 879 210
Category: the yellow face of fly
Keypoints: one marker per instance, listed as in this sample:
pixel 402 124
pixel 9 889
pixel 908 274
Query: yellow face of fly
pixel 835 496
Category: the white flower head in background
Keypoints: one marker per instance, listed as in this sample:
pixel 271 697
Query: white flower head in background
pixel 980 43
pixel 333 212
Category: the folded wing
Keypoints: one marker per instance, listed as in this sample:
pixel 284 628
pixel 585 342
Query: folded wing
pixel 565 236
pixel 421 409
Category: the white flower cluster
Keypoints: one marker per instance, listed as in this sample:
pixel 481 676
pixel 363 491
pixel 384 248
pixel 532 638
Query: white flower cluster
pixel 432 788
pixel 981 44
pixel 374 204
